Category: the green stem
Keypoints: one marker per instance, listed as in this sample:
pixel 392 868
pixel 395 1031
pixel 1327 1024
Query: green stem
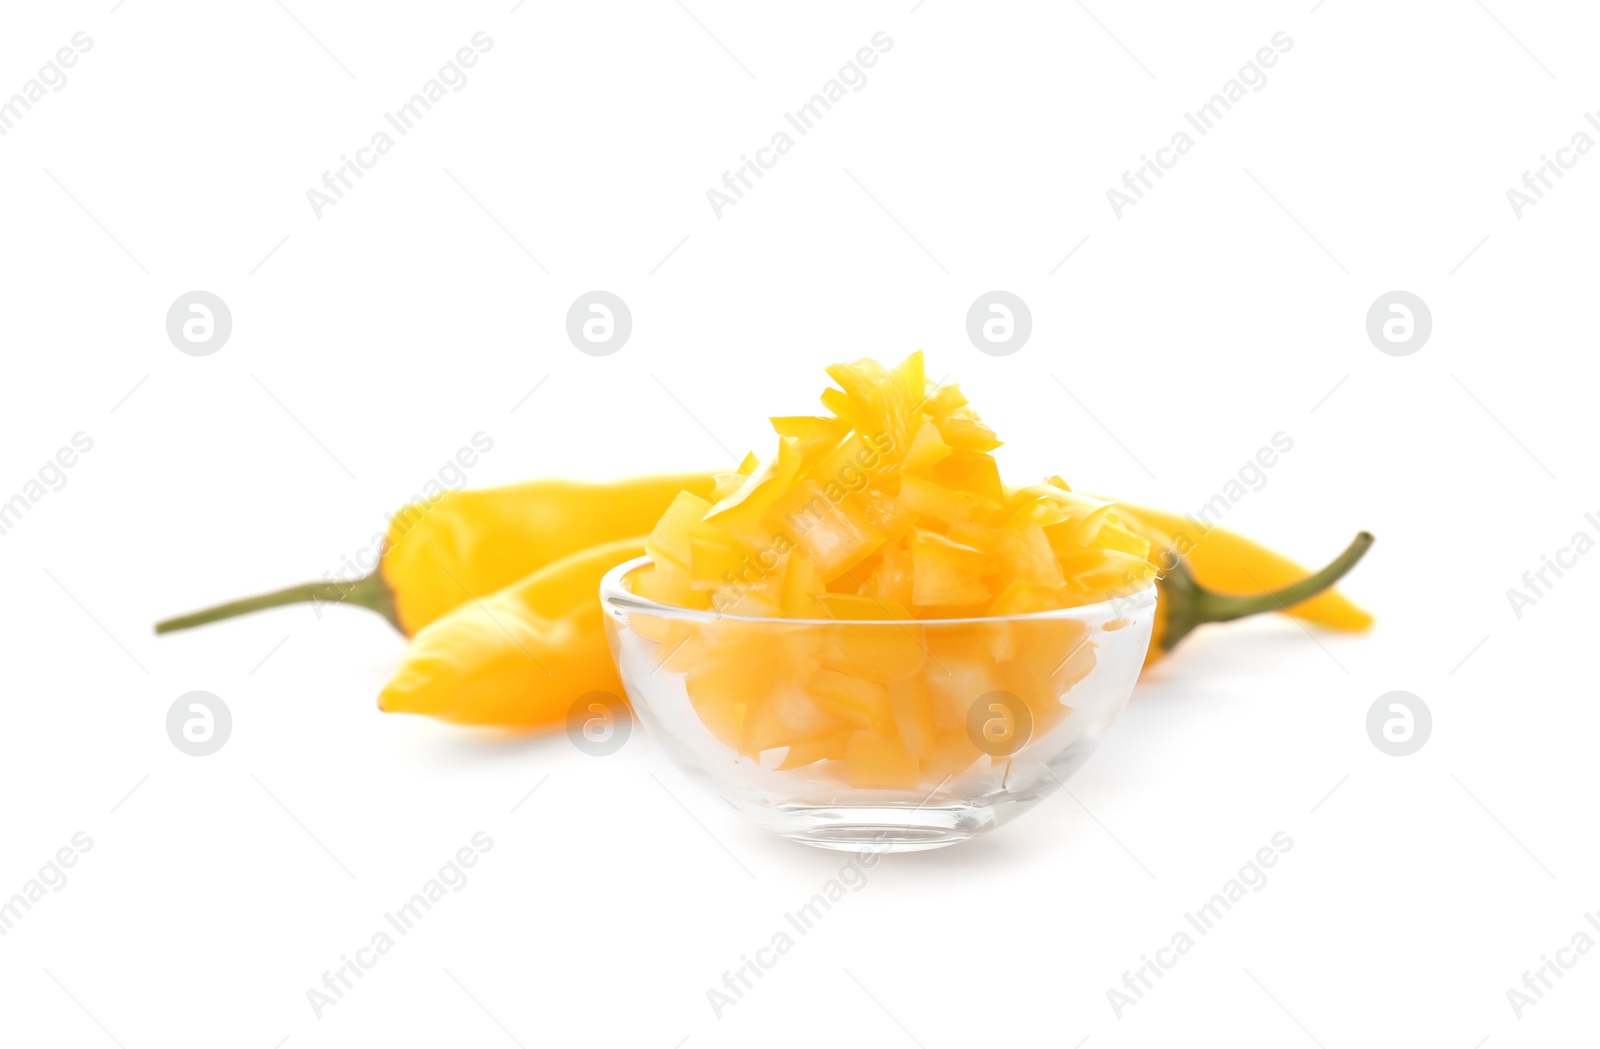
pixel 1192 605
pixel 370 591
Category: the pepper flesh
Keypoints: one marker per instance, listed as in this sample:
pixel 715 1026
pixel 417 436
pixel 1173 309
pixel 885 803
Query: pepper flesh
pixel 519 657
pixel 473 543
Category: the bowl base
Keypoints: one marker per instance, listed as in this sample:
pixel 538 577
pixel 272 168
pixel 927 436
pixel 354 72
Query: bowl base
pixel 879 828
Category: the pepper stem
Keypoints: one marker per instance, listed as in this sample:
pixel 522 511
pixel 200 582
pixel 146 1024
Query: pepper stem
pixel 1192 605
pixel 370 591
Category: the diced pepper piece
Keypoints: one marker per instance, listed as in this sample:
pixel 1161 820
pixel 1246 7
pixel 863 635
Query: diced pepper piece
pixel 1068 518
pixel 1048 646
pixel 864 607
pixel 926 497
pixel 665 582
pixel 910 390
pixel 891 517
pixel 836 535
pixel 669 540
pixel 742 511
pixel 908 698
pixel 783 716
pixel 946 573
pixel 1113 536
pixel 978 536
pixel 850 582
pixel 724 720
pixel 927 450
pixel 953 753
pixel 973 472
pixel 844 409
pixel 964 431
pixel 962 673
pixel 731 679
pixel 817 434
pixel 1101 571
pixel 891 581
pixel 945 399
pixel 866 383
pixel 751 601
pixel 832 747
pixel 1027 557
pixel 850 466
pixel 1074 668
pixel 957 555
pixel 651 628
pixel 1020 599
pixel 725 484
pixel 867 650
pixel 880 762
pixel 803 585
pixel 715 556
pixel 853 700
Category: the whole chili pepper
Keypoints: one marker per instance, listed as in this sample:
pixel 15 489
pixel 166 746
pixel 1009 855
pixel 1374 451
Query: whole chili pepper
pixel 437 555
pixel 1222 576
pixel 1228 562
pixel 518 658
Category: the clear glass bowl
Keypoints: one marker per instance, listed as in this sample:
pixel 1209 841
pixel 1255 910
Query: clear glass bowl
pixel 877 735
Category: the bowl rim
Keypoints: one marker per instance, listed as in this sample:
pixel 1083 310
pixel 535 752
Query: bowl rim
pixel 613 595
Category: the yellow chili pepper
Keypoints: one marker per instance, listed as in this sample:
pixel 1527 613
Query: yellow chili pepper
pixel 518 658
pixel 1222 576
pixel 469 544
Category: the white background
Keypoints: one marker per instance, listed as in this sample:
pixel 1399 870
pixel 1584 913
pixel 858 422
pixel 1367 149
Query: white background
pixel 373 342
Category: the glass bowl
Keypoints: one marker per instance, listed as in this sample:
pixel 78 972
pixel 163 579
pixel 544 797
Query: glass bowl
pixel 887 735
